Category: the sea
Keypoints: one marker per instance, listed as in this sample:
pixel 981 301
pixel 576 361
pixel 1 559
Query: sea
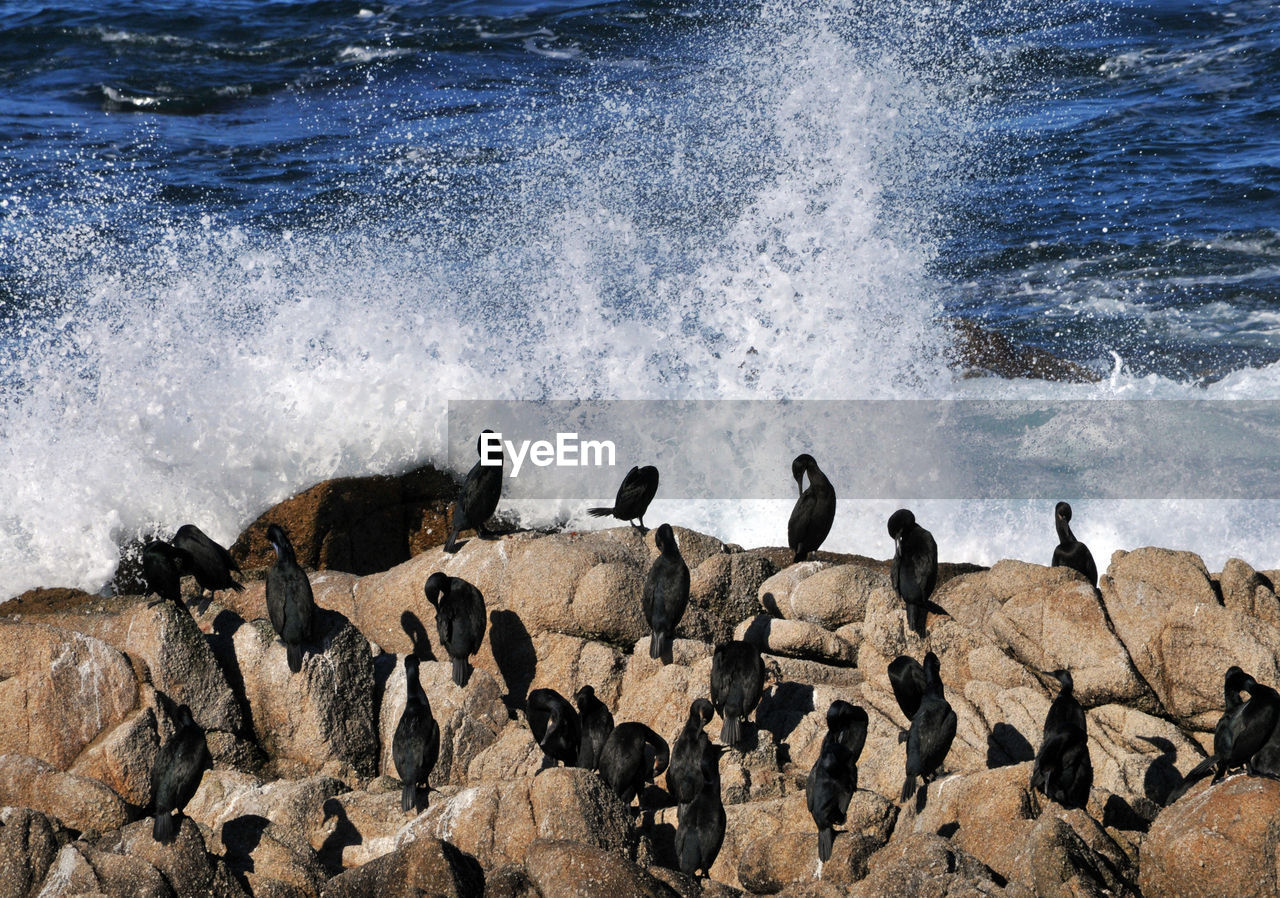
pixel 247 246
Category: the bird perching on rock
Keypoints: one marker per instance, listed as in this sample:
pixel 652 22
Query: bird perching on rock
pixel 415 747
pixel 834 776
pixel 176 773
pixel 737 683
pixel 701 821
pixel 555 726
pixel 625 763
pixel 479 495
pixel 163 566
pixel 684 775
pixel 666 593
pixel 814 511
pixel 914 571
pixel 637 491
pixel 933 728
pixel 290 603
pixel 1070 552
pixel 460 620
pixel 596 723
pixel 210 562
pixel 1063 771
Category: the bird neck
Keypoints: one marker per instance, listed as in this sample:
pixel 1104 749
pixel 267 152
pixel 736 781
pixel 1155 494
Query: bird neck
pixel 1065 536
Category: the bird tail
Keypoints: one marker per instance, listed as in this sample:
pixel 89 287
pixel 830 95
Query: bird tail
pixel 826 841
pixel 916 616
pixel 295 657
pixel 451 544
pixel 731 730
pixel 659 644
pixel 600 512
pixel 800 554
pixel 461 671
pixel 238 587
pixel 165 828
pixel 908 787
pixel 409 796
pixel 690 853
pixel 1205 768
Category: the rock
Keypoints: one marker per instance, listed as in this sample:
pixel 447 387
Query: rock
pixel 271 859
pixel 28 844
pixel 177 657
pixel 606 604
pixel 796 639
pixel 295 806
pixel 320 720
pixel 509 881
pixel 59 690
pixel 766 865
pixel 124 757
pixel 78 803
pixel 1249 592
pixel 834 596
pixel 1062 865
pixel 1180 638
pixel 184 863
pixel 571 804
pixel 925 864
pixel 1219 840
pixel 722 591
pixel 571 870
pixel 775 593
pixel 358 827
pixel 1049 618
pixel 470 719
pixel 758 821
pixel 981 352
pixel 543 577
pixel 357 524
pixel 82 868
pixel 425 868
pixel 658 695
pixel 1139 758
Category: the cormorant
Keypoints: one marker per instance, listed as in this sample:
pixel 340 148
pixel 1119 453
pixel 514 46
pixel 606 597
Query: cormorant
pixel 290 604
pixel 1243 731
pixel 684 776
pixel 932 730
pixel 176 773
pixel 834 776
pixel 914 571
pixel 478 498
pixel 624 764
pixel 554 725
pixel 1070 551
pixel 460 620
pixel 210 562
pixel 635 494
pixel 906 676
pixel 737 682
pixel 162 567
pixel 700 829
pixel 1063 771
pixel 666 593
pixel 596 724
pixel 416 744
pixel 814 511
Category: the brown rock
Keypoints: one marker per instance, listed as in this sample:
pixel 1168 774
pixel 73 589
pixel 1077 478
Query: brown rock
pixel 28 844
pixel 77 803
pixel 271 859
pixel 796 639
pixel 834 596
pixel 774 593
pixel 1216 841
pixel 925 865
pixel 606 604
pixel 82 868
pixel 492 822
pixel 184 863
pixel 358 827
pixel 509 881
pixel 59 690
pixel 758 821
pixel 575 805
pixel 722 591
pixel 124 757
pixel 1061 864
pixel 770 863
pixel 296 806
pixel 1180 638
pixel 573 870
pixel 357 524
pixel 321 719
pixel 1249 592
pixel 425 868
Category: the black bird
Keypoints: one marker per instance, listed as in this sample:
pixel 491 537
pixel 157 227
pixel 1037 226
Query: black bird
pixel 624 762
pixel 932 730
pixel 162 567
pixel 700 830
pixel 210 562
pixel 1243 731
pixel 596 723
pixel 834 776
pixel 814 511
pixel 416 744
pixel 478 498
pixel 906 676
pixel 666 593
pixel 554 725
pixel 914 571
pixel 1070 551
pixel 737 682
pixel 290 604
pixel 1063 771
pixel 176 773
pixel 684 776
pixel 460 620
pixel 637 491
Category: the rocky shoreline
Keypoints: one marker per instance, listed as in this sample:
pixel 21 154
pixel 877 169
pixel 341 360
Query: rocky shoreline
pixel 300 801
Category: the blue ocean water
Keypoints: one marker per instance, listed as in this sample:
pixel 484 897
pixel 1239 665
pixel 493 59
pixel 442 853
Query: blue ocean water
pixel 245 246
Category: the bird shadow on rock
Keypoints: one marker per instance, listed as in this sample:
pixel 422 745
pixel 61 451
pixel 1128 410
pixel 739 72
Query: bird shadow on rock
pixel 417 633
pixel 241 836
pixel 384 665
pixel 1006 746
pixel 1162 778
pixel 344 835
pixel 221 639
pixel 781 709
pixel 515 656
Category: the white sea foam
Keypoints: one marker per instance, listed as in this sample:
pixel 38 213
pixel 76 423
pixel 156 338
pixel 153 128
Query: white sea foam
pixel 208 372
